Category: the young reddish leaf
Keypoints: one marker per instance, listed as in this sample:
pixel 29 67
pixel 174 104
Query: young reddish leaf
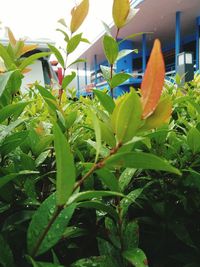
pixel 153 80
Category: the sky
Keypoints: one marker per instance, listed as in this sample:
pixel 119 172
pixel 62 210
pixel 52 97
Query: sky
pixel 38 18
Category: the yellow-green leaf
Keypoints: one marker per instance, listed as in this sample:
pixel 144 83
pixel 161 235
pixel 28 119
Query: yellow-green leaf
pixel 120 12
pixel 110 48
pixel 160 116
pixel 11 37
pixel 66 174
pixel 79 13
pixel 127 118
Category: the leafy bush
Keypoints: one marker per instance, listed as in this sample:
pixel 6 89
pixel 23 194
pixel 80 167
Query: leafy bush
pixel 78 178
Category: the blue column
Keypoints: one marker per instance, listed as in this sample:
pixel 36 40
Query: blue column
pixel 78 83
pixel 85 67
pixel 95 68
pixel 197 42
pixel 144 52
pixel 177 36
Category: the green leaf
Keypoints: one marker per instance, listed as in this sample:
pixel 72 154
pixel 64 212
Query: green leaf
pixel 120 12
pixel 106 101
pixel 132 36
pixel 112 232
pixel 110 49
pixel 73 43
pixel 42 264
pixel 106 71
pixel 160 115
pixel 9 63
pixel 57 54
pixel 106 28
pixel 6 256
pixel 41 158
pixel 65 34
pixel 97 130
pixel 7 178
pixel 73 231
pixel 77 197
pixel 13 141
pixel 126 52
pixel 140 160
pixel 131 235
pixel 107 134
pixel 136 256
pixel 66 173
pixel 8 129
pixel 97 205
pixel 125 178
pixel 129 199
pixel 126 117
pixel 14 220
pixel 12 109
pixel 68 79
pixel 62 22
pixel 193 138
pixel 100 261
pixel 108 179
pixel 70 119
pixel 29 60
pixel 40 221
pixel 4 78
pixel 77 61
pixel 118 79
pixel 48 97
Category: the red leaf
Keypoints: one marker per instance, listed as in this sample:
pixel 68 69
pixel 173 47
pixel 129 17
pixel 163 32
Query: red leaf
pixel 153 80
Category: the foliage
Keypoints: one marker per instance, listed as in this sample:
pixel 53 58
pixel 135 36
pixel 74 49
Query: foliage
pixel 78 178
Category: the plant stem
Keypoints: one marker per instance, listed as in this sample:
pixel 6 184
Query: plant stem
pixel 111 75
pixel 41 238
pixel 111 67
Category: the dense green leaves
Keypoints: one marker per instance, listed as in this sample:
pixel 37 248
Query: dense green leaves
pixel 6 257
pixel 66 174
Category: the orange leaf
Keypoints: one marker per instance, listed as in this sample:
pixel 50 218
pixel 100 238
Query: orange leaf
pixel 26 70
pixel 11 37
pixel 28 48
pixel 153 80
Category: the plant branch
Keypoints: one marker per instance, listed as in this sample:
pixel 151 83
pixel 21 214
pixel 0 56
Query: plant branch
pixel 41 238
pixel 58 210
